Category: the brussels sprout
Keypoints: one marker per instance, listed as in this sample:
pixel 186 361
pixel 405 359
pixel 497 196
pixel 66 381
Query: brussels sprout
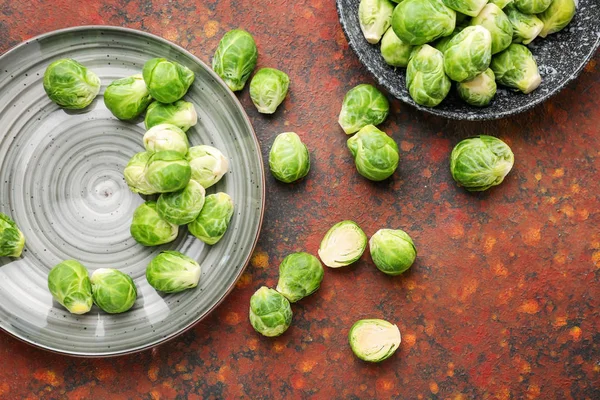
pixel 235 58
pixel 181 208
pixel 501 3
pixel 135 174
pixel 374 340
pixel 270 312
pixel 557 16
pixel 442 44
pixel 343 244
pixel 166 137
pixel 213 220
pixel 363 105
pixel 472 8
pixel 300 275
pixel 418 22
pixel 268 89
pixel 480 162
pixel 525 27
pixel 394 51
pixel 182 114
pixel 516 68
pixel 532 6
pixel 149 229
pixel 12 240
pixel 375 17
pixel 168 171
pixel 127 98
pixel 208 165
pixel 468 54
pixel 480 90
pixel 289 159
pixel 70 84
pixel 494 20
pixel 70 285
pixel 167 81
pixel 173 272
pixel 375 153
pixel 426 80
pixel 112 290
pixel 392 251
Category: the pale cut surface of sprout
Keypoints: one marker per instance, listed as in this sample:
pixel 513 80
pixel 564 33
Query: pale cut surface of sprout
pixel 343 244
pixel 374 340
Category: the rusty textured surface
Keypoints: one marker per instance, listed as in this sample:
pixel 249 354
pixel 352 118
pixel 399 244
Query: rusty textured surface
pixel 502 302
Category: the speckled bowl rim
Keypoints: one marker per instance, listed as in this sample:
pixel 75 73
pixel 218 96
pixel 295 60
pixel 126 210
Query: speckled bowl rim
pixel 201 63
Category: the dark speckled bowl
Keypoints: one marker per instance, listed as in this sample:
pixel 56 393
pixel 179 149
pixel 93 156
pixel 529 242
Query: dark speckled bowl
pixel 560 57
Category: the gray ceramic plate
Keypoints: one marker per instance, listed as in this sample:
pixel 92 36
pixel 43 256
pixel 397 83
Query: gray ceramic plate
pixel 560 57
pixel 61 179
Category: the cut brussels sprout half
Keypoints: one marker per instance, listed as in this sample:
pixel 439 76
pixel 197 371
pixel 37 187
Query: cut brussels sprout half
pixel 149 229
pixel 112 290
pixel 235 58
pixel 480 90
pixel 343 244
pixel 472 8
pixel 394 51
pixel 208 165
pixel 173 272
pixel 374 340
pixel 166 137
pixel 70 84
pixel 182 114
pixel 375 153
pixel 168 171
pixel 525 27
pixel 12 240
pixel 516 68
pixel 300 275
pixel 213 221
pixel 363 105
pixel 495 20
pixel 375 17
pixel 557 16
pixel 135 174
pixel 270 312
pixel 183 207
pixel 69 284
pixel 289 159
pixel 426 80
pixel 268 89
pixel 392 251
pixel 127 98
pixel 417 22
pixel 167 81
pixel 468 54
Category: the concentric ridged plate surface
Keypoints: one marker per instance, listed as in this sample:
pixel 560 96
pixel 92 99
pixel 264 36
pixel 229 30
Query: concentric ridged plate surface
pixel 61 180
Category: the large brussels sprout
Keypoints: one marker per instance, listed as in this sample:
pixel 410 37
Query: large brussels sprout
pixel 471 8
pixel 268 89
pixel 418 22
pixel 468 54
pixel 213 220
pixel 392 251
pixel 289 159
pixel 69 284
pixel 112 290
pixel 480 162
pixel 12 240
pixel 516 68
pixel 166 137
pixel 394 51
pixel 501 3
pixel 426 80
pixel 375 153
pixel 168 171
pixel 127 98
pixel 182 114
pixel 525 27
pixel 300 275
pixel 532 6
pixel 208 165
pixel 182 207
pixel 135 174
pixel 270 312
pixel 235 58
pixel 363 105
pixel 557 16
pixel 173 272
pixel 149 229
pixel 375 17
pixel 70 84
pixel 167 81
pixel 374 340
pixel 480 90
pixel 343 244
pixel 494 20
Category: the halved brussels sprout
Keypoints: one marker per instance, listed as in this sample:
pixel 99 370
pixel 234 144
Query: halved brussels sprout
pixel 127 98
pixel 375 17
pixel 426 80
pixel 166 137
pixel 173 272
pixel 235 58
pixel 213 220
pixel 394 51
pixel 300 275
pixel 557 16
pixel 268 89
pixel 525 27
pixel 363 105
pixel 468 54
pixel 480 90
pixel 375 153
pixel 417 22
pixel 168 171
pixel 501 3
pixel 135 174
pixel 481 162
pixel 12 240
pixel 208 165
pixel 112 290
pixel 70 84
pixel 183 207
pixel 494 20
pixel 392 251
pixel 149 229
pixel 289 159
pixel 167 81
pixel 472 8
pixel 182 114
pixel 270 312
pixel 532 6
pixel 374 340
pixel 343 244
pixel 69 284
pixel 516 68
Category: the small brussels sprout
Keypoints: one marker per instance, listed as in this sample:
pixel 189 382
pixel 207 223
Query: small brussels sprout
pixel 168 171
pixel 426 80
pixel 70 84
pixel 363 105
pixel 525 27
pixel 289 159
pixel 213 220
pixel 112 290
pixel 135 174
pixel 417 22
pixel 343 244
pixel 300 275
pixel 480 162
pixel 270 312
pixel 501 3
pixel 480 90
pixel 557 16
pixel 235 58
pixel 374 340
pixel 392 251
pixel 182 114
pixel 167 81
pixel 183 207
pixel 268 89
pixel 166 137
pixel 12 240
pixel 472 8
pixel 394 51
pixel 70 285
pixel 442 44
pixel 375 17
pixel 208 165
pixel 375 153
pixel 173 272
pixel 468 54
pixel 532 6
pixel 495 20
pixel 127 98
pixel 149 229
pixel 516 68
